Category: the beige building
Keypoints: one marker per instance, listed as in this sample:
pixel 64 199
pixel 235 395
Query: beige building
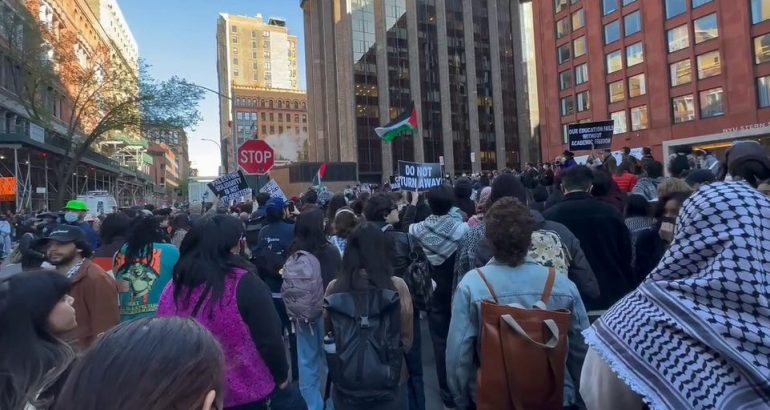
pixel 252 54
pixel 116 29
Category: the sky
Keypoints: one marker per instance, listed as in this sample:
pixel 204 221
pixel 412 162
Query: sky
pixel 178 37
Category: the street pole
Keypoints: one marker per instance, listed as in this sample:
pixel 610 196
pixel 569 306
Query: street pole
pixel 45 162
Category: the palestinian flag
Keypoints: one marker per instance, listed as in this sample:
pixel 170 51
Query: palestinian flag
pixel 319 175
pixel 405 123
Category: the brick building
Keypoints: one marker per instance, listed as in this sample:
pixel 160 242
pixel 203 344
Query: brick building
pixel 668 72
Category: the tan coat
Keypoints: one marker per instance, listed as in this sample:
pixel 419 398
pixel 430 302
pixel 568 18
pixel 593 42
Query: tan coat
pixel 96 305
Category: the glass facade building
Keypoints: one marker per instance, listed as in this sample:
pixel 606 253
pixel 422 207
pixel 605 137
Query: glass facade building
pixel 462 82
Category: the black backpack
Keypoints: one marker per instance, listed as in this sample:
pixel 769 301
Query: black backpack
pixel 418 276
pixel 366 367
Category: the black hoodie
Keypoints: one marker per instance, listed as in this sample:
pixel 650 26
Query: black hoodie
pixel 463 191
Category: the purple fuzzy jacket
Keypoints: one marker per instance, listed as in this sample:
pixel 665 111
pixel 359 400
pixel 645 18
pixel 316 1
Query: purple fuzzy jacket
pixel 247 377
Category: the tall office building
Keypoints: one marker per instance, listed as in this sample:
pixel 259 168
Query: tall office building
pixel 252 55
pixel 669 73
pixel 456 59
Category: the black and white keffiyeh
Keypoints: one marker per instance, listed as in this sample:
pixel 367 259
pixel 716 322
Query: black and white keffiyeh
pixel 439 236
pixel 696 333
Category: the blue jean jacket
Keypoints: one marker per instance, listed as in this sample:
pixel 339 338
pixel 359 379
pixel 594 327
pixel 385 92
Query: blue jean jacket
pixel 523 285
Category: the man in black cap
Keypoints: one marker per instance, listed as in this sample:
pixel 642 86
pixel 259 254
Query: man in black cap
pixel 94 291
pixel 568 160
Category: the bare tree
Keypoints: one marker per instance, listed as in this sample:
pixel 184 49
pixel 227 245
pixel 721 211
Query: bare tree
pixel 84 92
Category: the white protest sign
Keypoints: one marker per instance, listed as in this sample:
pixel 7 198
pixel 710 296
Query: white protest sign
pixel 274 190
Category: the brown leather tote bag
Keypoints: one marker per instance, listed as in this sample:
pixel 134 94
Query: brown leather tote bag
pixel 523 354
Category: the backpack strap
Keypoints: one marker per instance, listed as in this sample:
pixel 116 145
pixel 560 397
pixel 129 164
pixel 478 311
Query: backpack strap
pixel 548 286
pixel 489 285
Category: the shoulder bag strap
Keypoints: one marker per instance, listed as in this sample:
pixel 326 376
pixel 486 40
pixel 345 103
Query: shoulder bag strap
pixel 548 286
pixel 489 285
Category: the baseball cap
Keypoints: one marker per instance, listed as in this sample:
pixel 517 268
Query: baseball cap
pixel 65 234
pixel 76 205
pixel 274 204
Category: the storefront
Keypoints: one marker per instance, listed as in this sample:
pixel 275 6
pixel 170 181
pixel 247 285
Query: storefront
pixel 718 144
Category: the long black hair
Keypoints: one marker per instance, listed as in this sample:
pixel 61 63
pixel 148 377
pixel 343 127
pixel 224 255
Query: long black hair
pixel 115 225
pixel 150 364
pixel 32 358
pixel 309 235
pixel 206 258
pixel 145 231
pixel 366 250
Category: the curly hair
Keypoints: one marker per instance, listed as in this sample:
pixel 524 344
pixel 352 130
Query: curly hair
pixel 509 228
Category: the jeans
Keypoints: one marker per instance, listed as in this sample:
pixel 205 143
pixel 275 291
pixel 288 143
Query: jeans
pixel 415 386
pixel 438 321
pixel 312 364
pixel 287 331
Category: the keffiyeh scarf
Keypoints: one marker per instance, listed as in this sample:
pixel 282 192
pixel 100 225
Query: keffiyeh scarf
pixel 439 236
pixel 696 333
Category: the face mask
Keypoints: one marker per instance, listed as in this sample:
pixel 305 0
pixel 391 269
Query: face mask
pixel 71 217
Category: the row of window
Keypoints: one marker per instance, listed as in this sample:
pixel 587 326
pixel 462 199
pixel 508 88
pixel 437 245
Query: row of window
pixel 576 48
pixel 704 29
pixel 711 105
pixel 264 103
pixel 566 78
pixel 611 6
pixel 637 85
pixel 568 103
pixel 634 56
pixel 632 24
pixel 570 23
pixel 560 5
pixel 280 129
pixel 253 116
pixel 677 7
pixel 639 119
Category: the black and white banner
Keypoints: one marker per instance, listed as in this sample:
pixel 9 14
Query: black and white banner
pixel 420 176
pixel 590 135
pixel 231 187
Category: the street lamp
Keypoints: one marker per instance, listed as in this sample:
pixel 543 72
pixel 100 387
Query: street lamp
pixel 210 140
pixel 233 122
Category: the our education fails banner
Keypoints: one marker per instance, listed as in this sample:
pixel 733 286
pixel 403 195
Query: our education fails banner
pixel 231 187
pixel 590 135
pixel 418 176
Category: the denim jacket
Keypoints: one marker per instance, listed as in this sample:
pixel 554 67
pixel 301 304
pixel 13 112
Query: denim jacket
pixel 523 285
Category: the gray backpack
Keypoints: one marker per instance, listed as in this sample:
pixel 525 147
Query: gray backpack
pixel 302 289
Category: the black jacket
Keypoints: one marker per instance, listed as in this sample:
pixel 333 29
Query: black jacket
pixel 401 246
pixel 605 240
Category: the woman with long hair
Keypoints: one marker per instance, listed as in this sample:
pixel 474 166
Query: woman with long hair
pixel 218 288
pixel 366 267
pixel 112 234
pixel 344 222
pixel 180 225
pixel 142 268
pixel 148 364
pixel 309 236
pixel 35 308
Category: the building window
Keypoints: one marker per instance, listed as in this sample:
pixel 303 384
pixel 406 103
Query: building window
pixel 578 19
pixel 264 116
pixel 264 129
pixel 675 8
pixel 562 27
pixel 236 73
pixel 678 38
pixel 762 49
pixel 637 85
pixel 705 28
pixel 634 54
pixel 760 11
pixel 560 5
pixel 280 129
pixel 583 101
pixel 567 105
pixel 271 117
pixel 581 74
pixel 614 62
pixel 632 23
pixel 296 118
pixel 235 61
pixel 621 125
pixel 763 91
pixel 608 6
pixel 711 103
pixel 565 79
pixel 684 109
pixel 639 119
pixel 304 118
pixel 681 72
pixel 280 116
pixel 234 29
pixel 698 3
pixel 627 2
pixel 709 65
pixel 579 45
pixel 612 32
pixel 616 91
pixel 564 53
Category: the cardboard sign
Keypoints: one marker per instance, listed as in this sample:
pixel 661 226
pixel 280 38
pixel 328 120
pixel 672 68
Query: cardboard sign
pixel 231 187
pixel 415 175
pixel 274 190
pixel 589 136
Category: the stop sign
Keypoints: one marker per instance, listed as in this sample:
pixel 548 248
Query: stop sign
pixel 255 157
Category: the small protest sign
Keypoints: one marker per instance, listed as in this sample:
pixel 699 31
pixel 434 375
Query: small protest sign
pixel 590 135
pixel 420 176
pixel 231 187
pixel 274 190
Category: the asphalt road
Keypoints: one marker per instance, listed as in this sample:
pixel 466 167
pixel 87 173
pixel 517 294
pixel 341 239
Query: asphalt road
pixel 432 395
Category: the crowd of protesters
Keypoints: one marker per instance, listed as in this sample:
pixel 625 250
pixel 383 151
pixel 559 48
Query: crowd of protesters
pixel 565 286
